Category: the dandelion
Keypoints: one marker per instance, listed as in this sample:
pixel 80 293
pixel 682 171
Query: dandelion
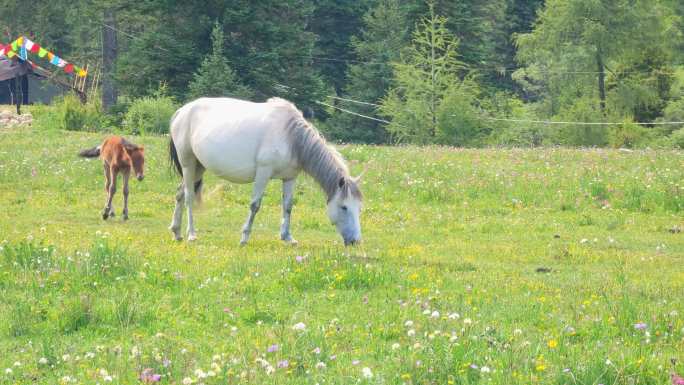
pixel 300 326
pixel 552 344
pixel 367 373
pixel 272 348
pixel 540 367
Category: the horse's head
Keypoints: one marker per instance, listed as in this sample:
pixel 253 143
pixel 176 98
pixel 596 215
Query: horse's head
pixel 344 209
pixel 137 154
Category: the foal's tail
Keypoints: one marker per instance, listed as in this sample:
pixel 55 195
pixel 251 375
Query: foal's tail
pixel 175 164
pixel 91 152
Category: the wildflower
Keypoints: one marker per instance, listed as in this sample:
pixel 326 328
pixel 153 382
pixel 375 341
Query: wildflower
pixel 435 314
pixel 473 366
pixel 8 371
pixel 408 323
pixel 467 321
pixel 640 326
pixel 485 369
pixel 540 367
pixel 272 348
pixel 43 361
pixel 552 344
pixel 333 357
pixel 411 333
pixel 283 364
pixel 316 351
pixel 395 346
pixel 367 373
pixel 320 365
pixel 300 326
pixel 356 362
pixel 187 381
pixel 676 380
pixel 454 316
pixel 66 357
pixel 300 258
pixel 148 376
pixel 17 363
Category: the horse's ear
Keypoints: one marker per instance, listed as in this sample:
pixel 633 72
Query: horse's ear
pixel 341 182
pixel 358 178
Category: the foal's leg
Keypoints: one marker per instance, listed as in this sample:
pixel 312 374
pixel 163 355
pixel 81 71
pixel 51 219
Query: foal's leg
pixel 108 210
pixel 288 198
pixel 263 175
pixel 178 213
pixel 125 176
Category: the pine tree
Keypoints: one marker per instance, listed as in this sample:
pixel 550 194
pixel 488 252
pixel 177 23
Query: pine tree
pixel 429 102
pixel 384 34
pixel 215 78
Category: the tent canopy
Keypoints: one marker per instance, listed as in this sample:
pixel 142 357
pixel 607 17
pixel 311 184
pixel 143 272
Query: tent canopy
pixel 10 69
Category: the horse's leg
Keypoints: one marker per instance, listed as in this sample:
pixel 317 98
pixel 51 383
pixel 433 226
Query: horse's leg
pixel 125 176
pixel 288 198
pixel 109 211
pixel 189 192
pixel 178 213
pixel 263 175
pixel 108 183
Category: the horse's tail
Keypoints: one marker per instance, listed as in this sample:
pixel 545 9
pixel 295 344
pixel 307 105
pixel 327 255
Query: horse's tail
pixel 173 157
pixel 175 163
pixel 91 152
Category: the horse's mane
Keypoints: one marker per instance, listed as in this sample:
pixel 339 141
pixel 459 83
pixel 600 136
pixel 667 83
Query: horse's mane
pixel 318 159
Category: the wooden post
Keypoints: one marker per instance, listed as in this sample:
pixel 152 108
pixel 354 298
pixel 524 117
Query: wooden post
pixel 109 52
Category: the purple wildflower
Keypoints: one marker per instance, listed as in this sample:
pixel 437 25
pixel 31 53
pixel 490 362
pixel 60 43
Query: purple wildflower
pixel 148 376
pixel 299 258
pixel 283 364
pixel 640 326
pixel 273 348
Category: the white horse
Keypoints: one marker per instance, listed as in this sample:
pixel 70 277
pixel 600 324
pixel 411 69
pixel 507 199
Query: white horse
pixel 246 142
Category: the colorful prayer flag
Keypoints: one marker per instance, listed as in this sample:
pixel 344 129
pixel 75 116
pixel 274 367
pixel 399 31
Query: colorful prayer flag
pixel 69 68
pixel 42 52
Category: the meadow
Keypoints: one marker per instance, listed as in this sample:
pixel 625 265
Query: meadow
pixel 491 266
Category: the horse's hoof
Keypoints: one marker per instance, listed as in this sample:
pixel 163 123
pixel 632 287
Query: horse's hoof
pixel 290 241
pixel 125 217
pixel 192 237
pixel 105 216
pixel 243 243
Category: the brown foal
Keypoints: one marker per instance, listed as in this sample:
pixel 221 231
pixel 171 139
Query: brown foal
pixel 118 156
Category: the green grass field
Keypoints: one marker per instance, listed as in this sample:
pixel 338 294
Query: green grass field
pixel 487 266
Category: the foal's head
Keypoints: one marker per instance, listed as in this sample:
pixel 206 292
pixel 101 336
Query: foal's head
pixel 137 155
pixel 344 210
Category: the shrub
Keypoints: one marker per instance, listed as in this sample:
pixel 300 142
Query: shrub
pixel 68 113
pixel 149 114
pixel 629 135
